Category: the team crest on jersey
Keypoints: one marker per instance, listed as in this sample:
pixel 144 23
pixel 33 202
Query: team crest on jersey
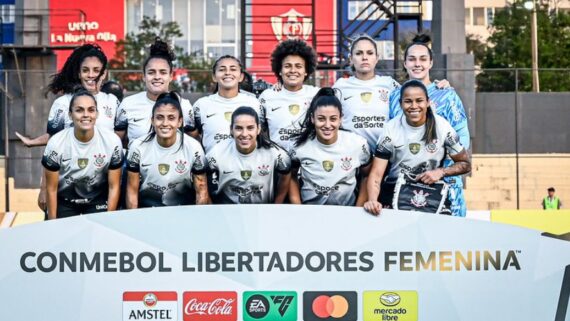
pixel 99 160
pixel 366 97
pixel 384 94
pixel 291 25
pixel 432 147
pixel 263 170
pixel 228 115
pixel 294 109
pixel 163 169
pixel 82 162
pixel 414 148
pixel 346 163
pixel 245 174
pixel 180 166
pixel 419 199
pixel 328 165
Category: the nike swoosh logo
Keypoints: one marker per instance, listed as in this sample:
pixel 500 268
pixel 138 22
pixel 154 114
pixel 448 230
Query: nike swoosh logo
pixel 399 146
pixel 347 98
pixel 274 109
pixel 65 160
pixel 137 119
pixel 228 172
pixel 208 116
pixel 145 165
pixel 307 163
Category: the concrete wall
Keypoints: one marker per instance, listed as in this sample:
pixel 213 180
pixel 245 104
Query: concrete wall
pixel 543 123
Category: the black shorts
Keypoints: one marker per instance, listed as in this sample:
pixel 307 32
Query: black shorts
pixel 66 208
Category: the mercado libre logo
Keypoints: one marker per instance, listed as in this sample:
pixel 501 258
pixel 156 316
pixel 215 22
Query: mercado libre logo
pixel 150 305
pixel 330 306
pixel 390 305
pixel 270 306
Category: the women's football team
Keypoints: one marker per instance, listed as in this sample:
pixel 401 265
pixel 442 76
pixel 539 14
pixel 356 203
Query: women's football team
pixel 296 144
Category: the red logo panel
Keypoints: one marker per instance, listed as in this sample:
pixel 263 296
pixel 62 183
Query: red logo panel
pixel 209 306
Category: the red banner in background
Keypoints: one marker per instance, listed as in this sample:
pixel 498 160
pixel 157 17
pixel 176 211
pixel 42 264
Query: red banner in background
pixel 271 23
pixel 73 23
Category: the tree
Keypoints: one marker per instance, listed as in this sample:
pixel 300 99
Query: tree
pixel 133 50
pixel 510 47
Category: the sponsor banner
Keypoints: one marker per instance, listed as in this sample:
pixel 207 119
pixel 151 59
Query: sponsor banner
pixel 149 305
pixel 557 222
pixel 287 262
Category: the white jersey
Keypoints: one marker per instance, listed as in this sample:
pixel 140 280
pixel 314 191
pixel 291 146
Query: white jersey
pixel 285 111
pixel 58 118
pixel 135 115
pixel 366 105
pixel 83 167
pixel 166 172
pixel 246 179
pixel 214 114
pixel 328 172
pixel 403 146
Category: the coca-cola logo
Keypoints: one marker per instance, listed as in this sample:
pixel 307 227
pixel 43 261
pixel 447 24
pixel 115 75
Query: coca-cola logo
pixel 201 306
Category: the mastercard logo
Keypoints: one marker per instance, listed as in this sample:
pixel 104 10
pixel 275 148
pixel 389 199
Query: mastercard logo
pixel 325 306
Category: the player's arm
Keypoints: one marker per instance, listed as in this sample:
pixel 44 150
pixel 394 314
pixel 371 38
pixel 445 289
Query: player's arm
pixel 132 197
pixel 114 178
pixel 282 187
pixel 373 183
pixel 33 142
pixel 201 188
pixel 52 181
pixel 363 187
pixel 294 189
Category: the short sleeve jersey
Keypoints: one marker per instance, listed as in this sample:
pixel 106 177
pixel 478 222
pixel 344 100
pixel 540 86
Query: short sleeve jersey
pixel 166 172
pixel 403 146
pixel 58 118
pixel 83 167
pixel 285 111
pixel 328 172
pixel 447 104
pixel 246 179
pixel 135 113
pixel 365 105
pixel 214 113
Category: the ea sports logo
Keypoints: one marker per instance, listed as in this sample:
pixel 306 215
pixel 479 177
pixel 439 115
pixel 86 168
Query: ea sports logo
pixel 325 306
pixel 257 306
pixel 150 300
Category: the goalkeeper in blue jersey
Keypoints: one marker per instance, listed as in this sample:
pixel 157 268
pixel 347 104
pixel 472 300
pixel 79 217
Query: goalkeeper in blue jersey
pixel 418 61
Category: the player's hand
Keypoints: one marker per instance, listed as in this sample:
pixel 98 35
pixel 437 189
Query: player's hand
pixel 430 177
pixel 26 140
pixel 442 84
pixel 42 199
pixel 373 207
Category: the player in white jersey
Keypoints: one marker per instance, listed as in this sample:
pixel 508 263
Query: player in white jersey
pixel 285 105
pixel 249 169
pixel 135 112
pixel 82 164
pixel 416 144
pixel 164 165
pixel 214 112
pixel 85 67
pixel 328 158
pixel 365 96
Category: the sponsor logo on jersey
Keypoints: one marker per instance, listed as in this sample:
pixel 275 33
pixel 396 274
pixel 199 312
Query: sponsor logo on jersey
pixel 245 174
pixel 419 199
pixel 209 306
pixel 274 109
pixel 163 169
pixel 150 306
pixel 338 306
pixel 108 112
pixel 82 162
pixel 328 165
pixel 390 305
pixel 294 109
pixel 137 119
pixel 270 306
pixel 291 25
pixel 384 94
pixel 56 118
pixel 414 148
pixel 432 147
pixel 180 166
pixel 346 163
pixel 347 98
pixel 198 164
pixel 99 160
pixel 366 97
pixel 228 115
pixel 210 115
pixel 263 170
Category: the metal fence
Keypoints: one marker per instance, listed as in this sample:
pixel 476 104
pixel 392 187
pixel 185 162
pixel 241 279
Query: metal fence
pixel 506 119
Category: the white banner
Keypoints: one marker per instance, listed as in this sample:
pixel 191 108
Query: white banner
pixel 280 263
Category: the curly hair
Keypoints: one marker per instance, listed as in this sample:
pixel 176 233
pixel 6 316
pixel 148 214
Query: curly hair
pixel 68 77
pixel 160 49
pixel 293 47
